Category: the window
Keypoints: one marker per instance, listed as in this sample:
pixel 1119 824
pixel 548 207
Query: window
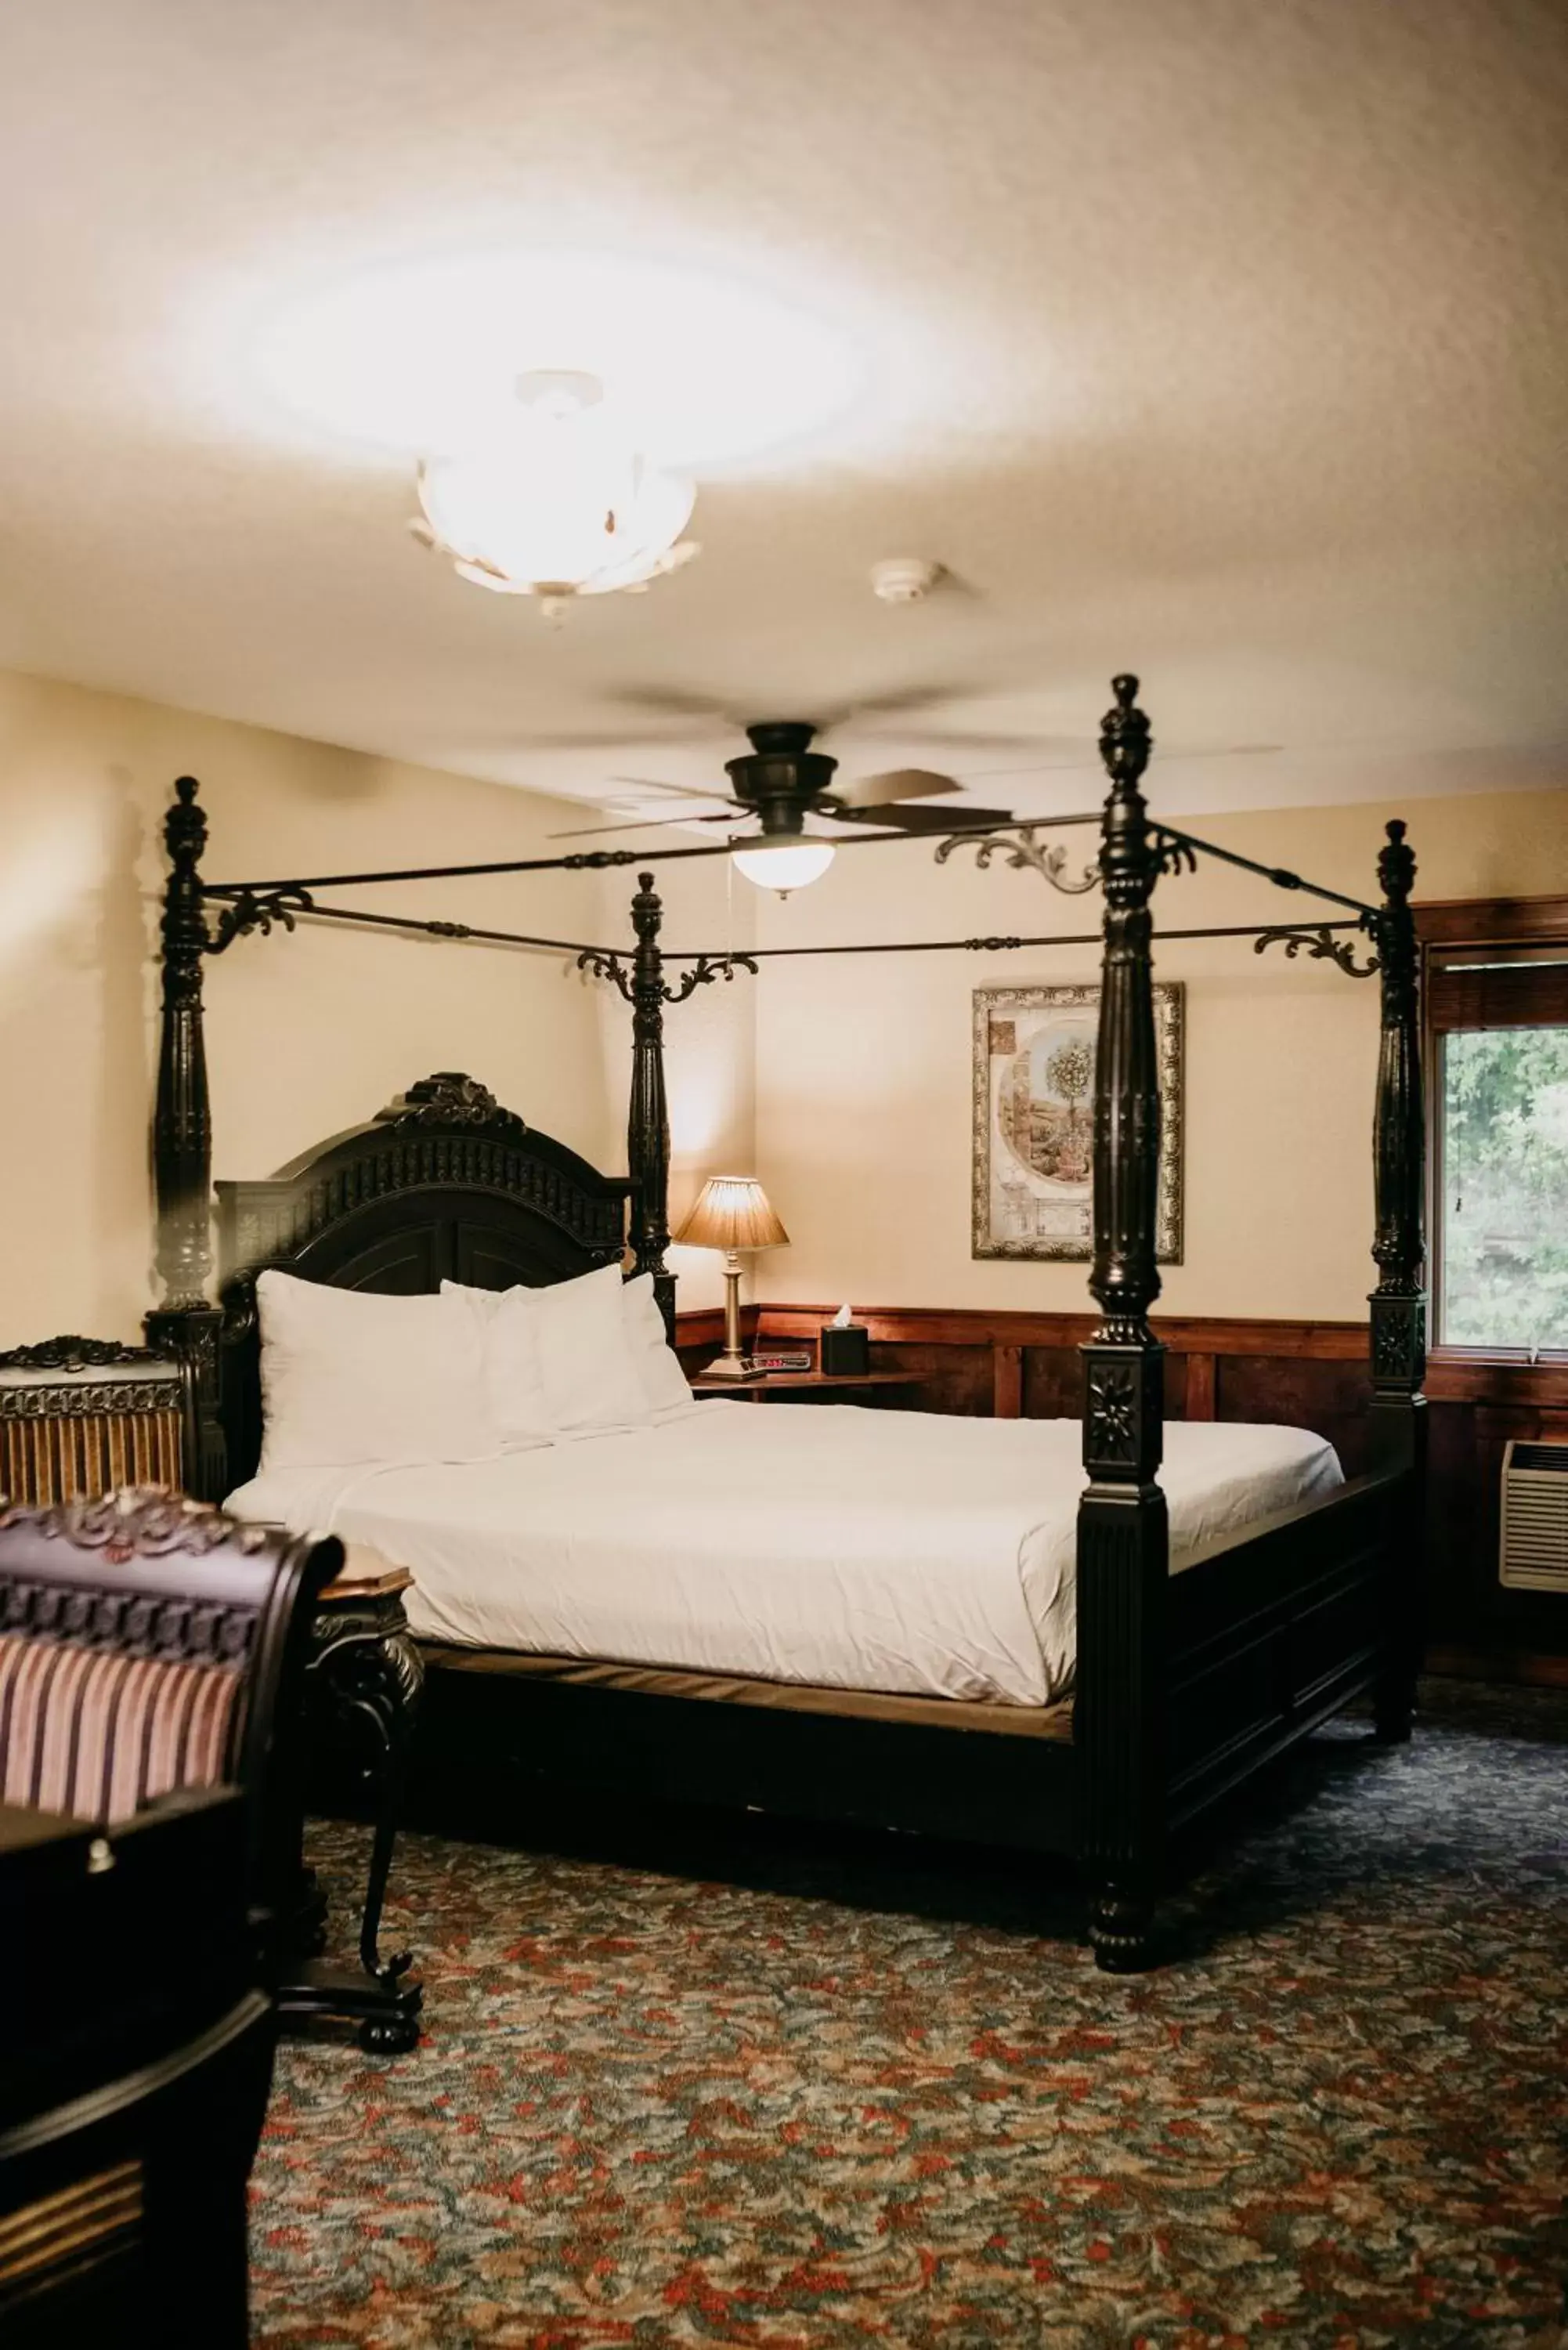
pixel 1496 1019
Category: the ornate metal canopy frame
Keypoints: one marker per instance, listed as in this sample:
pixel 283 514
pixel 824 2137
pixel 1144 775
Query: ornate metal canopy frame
pixel 652 977
pixel 1120 1722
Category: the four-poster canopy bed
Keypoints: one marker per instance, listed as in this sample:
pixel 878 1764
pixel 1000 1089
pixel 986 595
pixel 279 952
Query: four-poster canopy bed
pixel 1188 1683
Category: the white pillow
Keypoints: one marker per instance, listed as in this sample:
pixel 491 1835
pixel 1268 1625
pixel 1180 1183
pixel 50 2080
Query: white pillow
pixel 658 1364
pixel 518 1404
pixel 572 1339
pixel 350 1376
pixel 518 1390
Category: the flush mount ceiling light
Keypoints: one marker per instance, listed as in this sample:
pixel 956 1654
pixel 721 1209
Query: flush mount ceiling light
pixel 784 865
pixel 559 503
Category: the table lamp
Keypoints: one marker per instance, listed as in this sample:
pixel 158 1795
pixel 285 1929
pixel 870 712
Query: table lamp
pixel 732 1213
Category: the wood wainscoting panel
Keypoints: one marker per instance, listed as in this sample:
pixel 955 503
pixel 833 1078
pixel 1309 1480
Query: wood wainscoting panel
pixel 1332 1398
pixel 1053 1383
pixel 957 1378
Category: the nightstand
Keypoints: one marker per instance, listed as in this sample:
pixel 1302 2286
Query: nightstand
pixel 810 1387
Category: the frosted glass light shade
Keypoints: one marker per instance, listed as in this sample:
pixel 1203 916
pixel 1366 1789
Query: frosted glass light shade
pixel 558 503
pixel 732 1212
pixel 787 865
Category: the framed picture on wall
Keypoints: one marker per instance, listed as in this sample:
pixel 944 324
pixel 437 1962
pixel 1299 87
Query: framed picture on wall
pixel 1034 1120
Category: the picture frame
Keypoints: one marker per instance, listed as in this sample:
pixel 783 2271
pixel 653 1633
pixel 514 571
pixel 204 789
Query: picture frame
pixel 1033 1081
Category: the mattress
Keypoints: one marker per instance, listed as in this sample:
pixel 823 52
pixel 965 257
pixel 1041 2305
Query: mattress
pixel 910 1552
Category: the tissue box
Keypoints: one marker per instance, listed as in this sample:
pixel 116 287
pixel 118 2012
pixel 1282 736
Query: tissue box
pixel 846 1350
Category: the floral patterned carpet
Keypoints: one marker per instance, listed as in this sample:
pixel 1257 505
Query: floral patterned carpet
pixel 687 2084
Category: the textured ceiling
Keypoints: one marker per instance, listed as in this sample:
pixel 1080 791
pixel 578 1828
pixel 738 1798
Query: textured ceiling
pixel 1220 340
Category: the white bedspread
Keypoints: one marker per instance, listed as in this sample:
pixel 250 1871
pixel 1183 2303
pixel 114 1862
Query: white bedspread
pixel 876 1550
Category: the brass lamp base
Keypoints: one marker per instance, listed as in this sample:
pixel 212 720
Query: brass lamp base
pixel 733 1363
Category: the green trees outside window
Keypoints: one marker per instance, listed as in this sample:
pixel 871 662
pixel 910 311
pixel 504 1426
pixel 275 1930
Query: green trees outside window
pixel 1504 1146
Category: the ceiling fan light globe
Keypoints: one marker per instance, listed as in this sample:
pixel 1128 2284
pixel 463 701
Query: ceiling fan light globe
pixel 789 864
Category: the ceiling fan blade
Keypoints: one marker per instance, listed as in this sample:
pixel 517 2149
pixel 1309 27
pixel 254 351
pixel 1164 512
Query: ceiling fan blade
pixel 673 701
pixel 646 824
pixel 672 791
pixel 894 784
pixel 900 818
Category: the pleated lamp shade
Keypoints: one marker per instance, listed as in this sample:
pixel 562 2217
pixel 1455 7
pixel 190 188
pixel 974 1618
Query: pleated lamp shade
pixel 732 1212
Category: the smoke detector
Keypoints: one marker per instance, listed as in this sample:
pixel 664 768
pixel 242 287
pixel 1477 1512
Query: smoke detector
pixel 905 579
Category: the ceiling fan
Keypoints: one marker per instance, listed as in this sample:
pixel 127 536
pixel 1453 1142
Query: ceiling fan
pixel 782 781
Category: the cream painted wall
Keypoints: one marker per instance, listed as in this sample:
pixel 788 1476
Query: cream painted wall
pixel 863 1117
pixel 305 1035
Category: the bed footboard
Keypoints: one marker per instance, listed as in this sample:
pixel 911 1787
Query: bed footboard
pixel 1269 1634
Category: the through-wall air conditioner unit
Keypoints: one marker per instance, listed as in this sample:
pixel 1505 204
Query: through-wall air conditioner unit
pixel 1532 1553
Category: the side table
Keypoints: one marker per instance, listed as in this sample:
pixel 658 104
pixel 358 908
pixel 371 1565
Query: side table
pixel 777 1387
pixel 362 1685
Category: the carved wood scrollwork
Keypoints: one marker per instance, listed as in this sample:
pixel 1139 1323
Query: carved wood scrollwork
pixel 605 963
pixel 175 1631
pixel 1123 1414
pixel 140 1522
pixel 1174 853
pixel 1023 849
pixel 371 1654
pixel 706 969
pixel 98 1400
pixel 1320 945
pixel 450 1097
pixel 252 911
pixel 1113 1414
pixel 1399 1339
pixel 70 1353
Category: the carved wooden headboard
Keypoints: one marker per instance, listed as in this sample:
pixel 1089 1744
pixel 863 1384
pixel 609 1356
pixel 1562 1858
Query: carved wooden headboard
pixel 443 1184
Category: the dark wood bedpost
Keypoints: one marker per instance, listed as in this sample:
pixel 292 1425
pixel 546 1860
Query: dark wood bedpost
pixel 185 1324
pixel 1123 1534
pixel 1398 1303
pixel 648 1123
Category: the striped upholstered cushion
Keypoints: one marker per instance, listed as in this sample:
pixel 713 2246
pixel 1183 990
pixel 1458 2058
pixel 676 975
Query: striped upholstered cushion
pixel 98 1734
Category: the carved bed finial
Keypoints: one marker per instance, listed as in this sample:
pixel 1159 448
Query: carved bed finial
pixel 1125 740
pixel 450 1097
pixel 1396 864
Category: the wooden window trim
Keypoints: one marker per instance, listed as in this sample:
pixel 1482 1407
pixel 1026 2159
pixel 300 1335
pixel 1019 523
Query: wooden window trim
pixel 1492 922
pixel 1482 1373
